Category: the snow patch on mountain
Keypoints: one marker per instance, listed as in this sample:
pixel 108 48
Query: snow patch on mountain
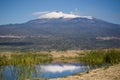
pixel 57 14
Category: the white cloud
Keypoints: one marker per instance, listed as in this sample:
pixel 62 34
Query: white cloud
pixel 57 14
pixel 39 13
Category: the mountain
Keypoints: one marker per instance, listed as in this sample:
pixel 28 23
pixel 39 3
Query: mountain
pixel 60 34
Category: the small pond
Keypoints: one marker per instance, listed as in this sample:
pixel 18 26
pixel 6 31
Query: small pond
pixel 49 70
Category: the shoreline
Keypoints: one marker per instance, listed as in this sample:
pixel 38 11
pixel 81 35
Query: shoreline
pixel 104 73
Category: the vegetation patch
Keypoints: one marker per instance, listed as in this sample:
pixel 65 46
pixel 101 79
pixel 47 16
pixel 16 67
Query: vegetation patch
pixel 110 56
pixel 25 58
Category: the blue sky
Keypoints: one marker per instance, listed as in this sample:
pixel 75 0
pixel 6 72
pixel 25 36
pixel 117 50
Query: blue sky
pixel 19 11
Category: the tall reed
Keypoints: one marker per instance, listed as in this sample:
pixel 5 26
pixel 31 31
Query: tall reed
pixel 110 56
pixel 25 58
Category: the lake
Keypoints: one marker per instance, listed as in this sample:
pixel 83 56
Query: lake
pixel 47 70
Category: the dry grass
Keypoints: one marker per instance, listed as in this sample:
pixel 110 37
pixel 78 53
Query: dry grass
pixel 69 53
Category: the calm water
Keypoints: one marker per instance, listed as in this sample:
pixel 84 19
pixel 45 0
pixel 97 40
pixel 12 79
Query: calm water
pixel 51 70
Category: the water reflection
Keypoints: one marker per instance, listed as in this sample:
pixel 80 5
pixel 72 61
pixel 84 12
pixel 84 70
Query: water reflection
pixel 51 70
pixel 15 72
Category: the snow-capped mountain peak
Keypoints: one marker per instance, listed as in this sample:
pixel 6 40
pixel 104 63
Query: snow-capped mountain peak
pixel 59 14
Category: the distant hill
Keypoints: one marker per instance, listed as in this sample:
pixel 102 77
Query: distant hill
pixel 60 34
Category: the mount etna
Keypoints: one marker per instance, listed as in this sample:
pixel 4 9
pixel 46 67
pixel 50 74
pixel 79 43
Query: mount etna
pixel 60 34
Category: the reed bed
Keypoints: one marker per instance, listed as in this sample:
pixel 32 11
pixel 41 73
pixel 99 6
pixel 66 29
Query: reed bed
pixel 25 58
pixel 109 56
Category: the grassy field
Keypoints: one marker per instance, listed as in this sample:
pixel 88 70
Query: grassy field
pixel 36 57
pixel 110 56
pixel 23 58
